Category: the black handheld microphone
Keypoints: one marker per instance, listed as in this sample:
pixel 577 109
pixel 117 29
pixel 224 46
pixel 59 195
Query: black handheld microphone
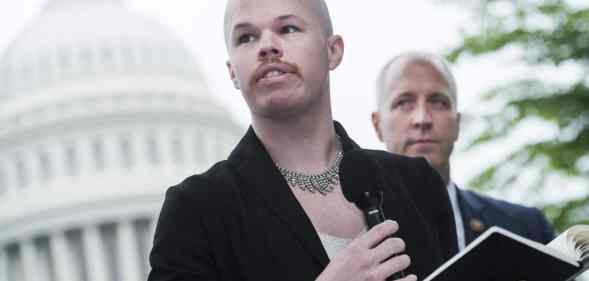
pixel 362 185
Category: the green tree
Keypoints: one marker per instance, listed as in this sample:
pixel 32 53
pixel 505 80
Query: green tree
pixel 546 34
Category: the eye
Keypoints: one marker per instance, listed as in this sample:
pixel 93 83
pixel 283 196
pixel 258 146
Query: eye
pixel 441 103
pixel 245 38
pixel 289 29
pixel 403 104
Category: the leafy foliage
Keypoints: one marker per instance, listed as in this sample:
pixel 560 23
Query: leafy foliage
pixel 546 33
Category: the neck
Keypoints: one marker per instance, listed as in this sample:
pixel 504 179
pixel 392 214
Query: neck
pixel 305 143
pixel 444 171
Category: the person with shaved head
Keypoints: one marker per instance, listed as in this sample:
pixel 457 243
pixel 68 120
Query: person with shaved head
pixel 417 116
pixel 274 210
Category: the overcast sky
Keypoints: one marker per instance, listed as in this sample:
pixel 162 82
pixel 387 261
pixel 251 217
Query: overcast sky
pixel 372 32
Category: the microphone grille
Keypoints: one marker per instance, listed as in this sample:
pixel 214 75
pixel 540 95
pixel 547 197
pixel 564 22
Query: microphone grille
pixel 359 173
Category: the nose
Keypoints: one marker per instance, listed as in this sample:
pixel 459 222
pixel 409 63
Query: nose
pixel 422 118
pixel 269 48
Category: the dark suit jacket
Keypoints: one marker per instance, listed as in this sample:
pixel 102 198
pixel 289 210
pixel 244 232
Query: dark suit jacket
pixel 480 212
pixel 240 221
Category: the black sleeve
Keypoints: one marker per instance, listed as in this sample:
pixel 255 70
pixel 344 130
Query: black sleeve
pixel 181 251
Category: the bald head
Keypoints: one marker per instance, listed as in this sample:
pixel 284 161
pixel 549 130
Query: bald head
pixel 393 69
pixel 319 8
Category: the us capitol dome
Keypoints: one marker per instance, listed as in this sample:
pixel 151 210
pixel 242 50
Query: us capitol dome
pixel 101 109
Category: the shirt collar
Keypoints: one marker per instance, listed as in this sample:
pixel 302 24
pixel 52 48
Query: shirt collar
pixel 452 191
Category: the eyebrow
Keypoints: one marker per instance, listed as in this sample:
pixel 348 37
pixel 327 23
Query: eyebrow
pixel 438 93
pixel 242 25
pixel 404 94
pixel 441 94
pixel 285 17
pixel 280 18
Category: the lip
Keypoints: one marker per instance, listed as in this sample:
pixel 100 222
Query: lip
pixel 269 67
pixel 422 141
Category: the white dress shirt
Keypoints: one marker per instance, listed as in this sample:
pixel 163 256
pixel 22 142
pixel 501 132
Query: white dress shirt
pixel 452 193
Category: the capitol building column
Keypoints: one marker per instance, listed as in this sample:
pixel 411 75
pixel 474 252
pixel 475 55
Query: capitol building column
pixel 128 251
pixel 151 234
pixel 30 260
pixel 97 269
pixel 63 258
pixel 3 263
pixel 10 187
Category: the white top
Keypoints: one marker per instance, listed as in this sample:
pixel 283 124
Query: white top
pixel 333 245
pixel 452 193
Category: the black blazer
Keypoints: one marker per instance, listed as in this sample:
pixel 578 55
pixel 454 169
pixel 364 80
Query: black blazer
pixel 240 221
pixel 480 212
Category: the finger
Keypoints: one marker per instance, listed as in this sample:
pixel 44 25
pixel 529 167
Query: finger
pixel 388 248
pixel 410 277
pixel 378 233
pixel 393 265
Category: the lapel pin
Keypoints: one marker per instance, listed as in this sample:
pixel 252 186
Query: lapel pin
pixel 476 225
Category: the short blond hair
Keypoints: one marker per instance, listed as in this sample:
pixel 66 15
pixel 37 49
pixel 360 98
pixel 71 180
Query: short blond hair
pixel 404 59
pixel 319 7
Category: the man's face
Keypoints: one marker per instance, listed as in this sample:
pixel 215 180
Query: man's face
pixel 278 54
pixel 418 116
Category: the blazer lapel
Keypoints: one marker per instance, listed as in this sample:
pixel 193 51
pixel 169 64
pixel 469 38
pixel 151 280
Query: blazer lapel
pixel 256 168
pixel 472 215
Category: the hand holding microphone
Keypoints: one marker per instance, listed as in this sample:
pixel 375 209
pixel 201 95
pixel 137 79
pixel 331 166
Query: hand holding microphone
pixel 375 255
pixel 368 257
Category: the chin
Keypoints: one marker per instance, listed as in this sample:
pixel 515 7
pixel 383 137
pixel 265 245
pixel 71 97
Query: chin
pixel 277 111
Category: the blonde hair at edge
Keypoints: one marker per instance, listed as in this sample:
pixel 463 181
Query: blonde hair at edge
pixel 319 7
pixel 407 58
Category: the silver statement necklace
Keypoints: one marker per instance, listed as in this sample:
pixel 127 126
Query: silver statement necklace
pixel 322 183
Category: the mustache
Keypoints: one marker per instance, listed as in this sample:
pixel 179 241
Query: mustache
pixel 292 68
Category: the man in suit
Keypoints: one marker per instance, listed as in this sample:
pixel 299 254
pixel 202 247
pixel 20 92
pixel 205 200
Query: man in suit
pixel 250 218
pixel 417 116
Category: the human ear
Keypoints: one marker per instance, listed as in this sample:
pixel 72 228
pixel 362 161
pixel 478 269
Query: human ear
pixel 376 124
pixel 232 75
pixel 458 120
pixel 335 51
